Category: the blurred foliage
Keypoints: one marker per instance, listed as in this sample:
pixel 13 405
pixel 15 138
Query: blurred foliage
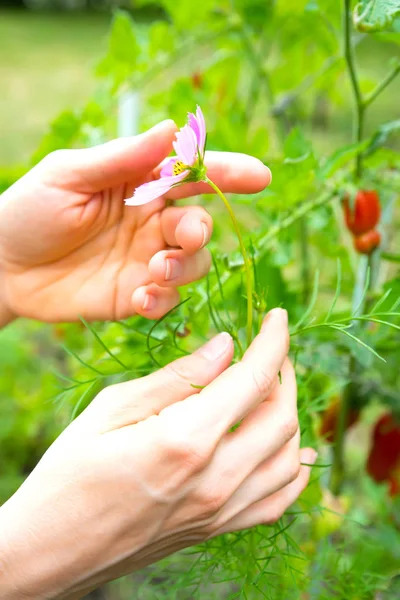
pixel 272 81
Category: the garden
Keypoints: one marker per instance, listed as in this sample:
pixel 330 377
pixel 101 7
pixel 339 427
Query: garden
pixel 311 88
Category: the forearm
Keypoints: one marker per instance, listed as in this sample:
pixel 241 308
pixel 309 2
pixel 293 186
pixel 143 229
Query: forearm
pixel 41 556
pixel 30 567
pixel 16 577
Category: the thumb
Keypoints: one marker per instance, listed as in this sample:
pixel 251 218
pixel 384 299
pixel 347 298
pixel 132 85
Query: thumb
pixel 133 401
pixel 113 163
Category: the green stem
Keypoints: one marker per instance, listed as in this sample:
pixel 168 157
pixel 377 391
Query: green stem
pixel 338 467
pixel 305 259
pixel 357 96
pixel 247 263
pixel 266 241
pixel 381 86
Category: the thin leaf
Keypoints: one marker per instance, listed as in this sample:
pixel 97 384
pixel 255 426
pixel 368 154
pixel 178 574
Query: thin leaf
pixel 388 323
pixel 337 292
pixel 380 301
pixel 210 306
pixel 102 344
pixel 364 292
pixel 356 339
pixel 81 361
pixel 156 324
pixel 312 302
pixel 82 400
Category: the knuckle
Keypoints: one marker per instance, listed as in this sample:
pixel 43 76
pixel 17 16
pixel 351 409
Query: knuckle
pixel 290 427
pixel 293 470
pixel 274 515
pixel 262 381
pixel 185 450
pixel 55 158
pixel 176 373
pixel 211 502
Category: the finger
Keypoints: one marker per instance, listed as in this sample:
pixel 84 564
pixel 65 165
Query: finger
pixel 172 268
pixel 241 452
pixel 189 227
pixel 114 163
pixel 271 509
pixel 244 385
pixel 268 478
pixel 232 172
pixel 153 302
pixel 129 402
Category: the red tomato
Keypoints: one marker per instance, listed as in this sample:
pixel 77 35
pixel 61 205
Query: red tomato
pixel 367 242
pixel 365 213
pixel 384 458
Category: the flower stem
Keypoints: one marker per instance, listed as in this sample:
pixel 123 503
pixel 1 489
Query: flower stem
pixel 247 263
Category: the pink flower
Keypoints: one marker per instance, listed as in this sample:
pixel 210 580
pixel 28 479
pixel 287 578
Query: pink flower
pixel 187 165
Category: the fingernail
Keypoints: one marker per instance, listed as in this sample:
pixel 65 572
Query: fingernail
pixel 172 269
pixel 216 347
pixel 149 302
pixel 206 234
pixel 276 313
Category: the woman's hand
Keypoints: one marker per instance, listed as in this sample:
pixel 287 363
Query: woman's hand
pixel 69 247
pixel 151 467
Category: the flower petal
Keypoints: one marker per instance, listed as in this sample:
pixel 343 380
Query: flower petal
pixel 193 124
pixel 185 145
pixel 202 130
pixel 154 189
pixel 167 167
pixel 197 124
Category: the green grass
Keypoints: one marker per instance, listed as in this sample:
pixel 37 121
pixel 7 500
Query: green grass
pixel 46 66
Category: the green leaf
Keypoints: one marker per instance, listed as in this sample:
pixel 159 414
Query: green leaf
pixel 123 50
pixel 64 132
pixel 381 136
pixel 375 15
pixel 340 158
pixel 297 146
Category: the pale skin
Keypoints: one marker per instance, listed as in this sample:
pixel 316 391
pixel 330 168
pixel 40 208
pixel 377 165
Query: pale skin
pixel 70 245
pixel 151 466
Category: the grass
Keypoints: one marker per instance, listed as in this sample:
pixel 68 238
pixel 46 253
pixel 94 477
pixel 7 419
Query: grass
pixel 46 66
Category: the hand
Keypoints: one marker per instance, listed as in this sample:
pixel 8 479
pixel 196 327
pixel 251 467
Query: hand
pixel 69 247
pixel 151 467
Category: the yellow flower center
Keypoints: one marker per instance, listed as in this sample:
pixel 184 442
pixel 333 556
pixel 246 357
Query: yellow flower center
pixel 178 168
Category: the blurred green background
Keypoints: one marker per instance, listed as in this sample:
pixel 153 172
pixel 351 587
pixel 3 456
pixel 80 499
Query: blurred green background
pixel 48 59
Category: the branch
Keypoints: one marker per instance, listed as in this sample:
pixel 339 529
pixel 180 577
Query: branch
pixel 382 85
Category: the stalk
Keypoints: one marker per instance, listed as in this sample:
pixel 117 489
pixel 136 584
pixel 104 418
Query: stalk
pixel 359 107
pixel 247 263
pixel 338 467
